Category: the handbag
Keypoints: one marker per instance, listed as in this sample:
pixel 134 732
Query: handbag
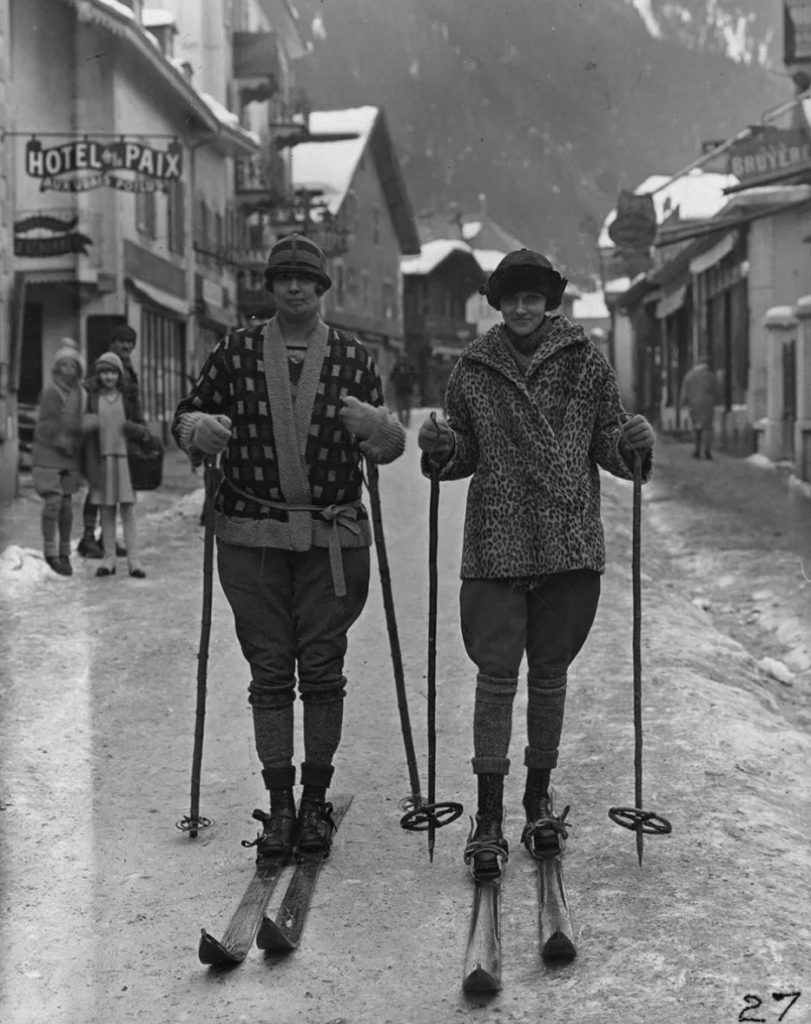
pixel 145 459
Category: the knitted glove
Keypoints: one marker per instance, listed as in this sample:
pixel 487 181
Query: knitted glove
pixel 436 439
pixel 638 434
pixel 359 418
pixel 211 434
pixel 382 437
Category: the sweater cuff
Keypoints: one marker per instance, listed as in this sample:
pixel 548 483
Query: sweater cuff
pixel 387 440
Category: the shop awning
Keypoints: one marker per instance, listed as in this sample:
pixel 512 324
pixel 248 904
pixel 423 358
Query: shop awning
pixel 714 255
pixel 163 300
pixel 669 304
pixel 698 229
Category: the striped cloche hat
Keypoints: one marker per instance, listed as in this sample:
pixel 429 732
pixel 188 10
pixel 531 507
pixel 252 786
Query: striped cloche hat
pixel 297 254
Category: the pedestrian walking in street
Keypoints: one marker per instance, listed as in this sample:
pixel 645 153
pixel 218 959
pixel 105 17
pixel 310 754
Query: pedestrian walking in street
pixel 122 341
pixel 403 378
pixel 55 468
pixel 532 412
pixel 110 421
pixel 699 393
pixel 292 406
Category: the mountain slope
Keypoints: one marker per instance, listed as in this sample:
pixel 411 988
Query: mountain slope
pixel 547 106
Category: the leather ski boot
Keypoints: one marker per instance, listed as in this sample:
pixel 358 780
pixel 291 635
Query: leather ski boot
pixel 278 834
pixel 486 846
pixel 545 832
pixel 315 827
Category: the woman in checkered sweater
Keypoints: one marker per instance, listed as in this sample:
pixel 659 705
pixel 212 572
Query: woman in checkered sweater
pixel 293 406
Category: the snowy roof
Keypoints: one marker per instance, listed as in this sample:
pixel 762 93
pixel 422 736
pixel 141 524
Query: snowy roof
pixel 330 166
pixel 488 259
pixel 156 17
pixel 697 195
pixel 432 254
pixel 590 306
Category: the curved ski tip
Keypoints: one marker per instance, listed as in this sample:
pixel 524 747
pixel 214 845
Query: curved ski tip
pixel 272 939
pixel 481 980
pixel 212 952
pixel 559 947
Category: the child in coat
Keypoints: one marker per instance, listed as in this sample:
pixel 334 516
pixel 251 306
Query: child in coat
pixel 55 471
pixel 109 422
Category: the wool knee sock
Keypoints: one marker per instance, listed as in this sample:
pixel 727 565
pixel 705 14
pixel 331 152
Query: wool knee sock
pixel 492 723
pixel 273 734
pixel 323 707
pixel 546 699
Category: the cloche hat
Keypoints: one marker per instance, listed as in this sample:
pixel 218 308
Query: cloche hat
pixel 297 254
pixel 524 270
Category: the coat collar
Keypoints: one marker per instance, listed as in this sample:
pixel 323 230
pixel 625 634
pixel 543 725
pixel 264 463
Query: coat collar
pixel 491 349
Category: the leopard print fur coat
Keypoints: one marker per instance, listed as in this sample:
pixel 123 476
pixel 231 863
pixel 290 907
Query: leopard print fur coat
pixel 533 444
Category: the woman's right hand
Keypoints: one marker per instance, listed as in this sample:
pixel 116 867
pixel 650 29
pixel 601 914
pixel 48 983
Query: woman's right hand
pixel 437 440
pixel 211 434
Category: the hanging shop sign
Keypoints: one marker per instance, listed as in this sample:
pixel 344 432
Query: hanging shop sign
pixel 44 235
pixel 770 153
pixel 796 31
pixel 634 226
pixel 84 164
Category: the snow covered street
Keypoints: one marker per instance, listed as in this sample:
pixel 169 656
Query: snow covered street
pixel 104 899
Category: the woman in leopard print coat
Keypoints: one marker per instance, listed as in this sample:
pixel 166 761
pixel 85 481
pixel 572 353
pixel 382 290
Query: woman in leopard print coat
pixel 532 411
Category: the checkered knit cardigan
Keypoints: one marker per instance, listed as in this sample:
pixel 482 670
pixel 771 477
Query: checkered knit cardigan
pixel 285 452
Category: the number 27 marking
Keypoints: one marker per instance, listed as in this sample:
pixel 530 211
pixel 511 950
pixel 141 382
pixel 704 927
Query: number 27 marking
pixel 755 1002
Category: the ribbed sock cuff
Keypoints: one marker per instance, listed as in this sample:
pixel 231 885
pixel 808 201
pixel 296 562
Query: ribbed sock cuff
pixel 316 774
pixel 535 758
pixel 491 765
pixel 279 777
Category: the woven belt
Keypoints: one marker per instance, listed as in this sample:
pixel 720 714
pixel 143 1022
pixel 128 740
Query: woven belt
pixel 334 515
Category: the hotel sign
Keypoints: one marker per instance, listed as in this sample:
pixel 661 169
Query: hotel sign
pixel 771 154
pixel 43 235
pixel 83 164
pixel 796 31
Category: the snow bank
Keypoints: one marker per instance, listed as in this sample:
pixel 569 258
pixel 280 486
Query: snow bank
pixel 188 507
pixel 26 567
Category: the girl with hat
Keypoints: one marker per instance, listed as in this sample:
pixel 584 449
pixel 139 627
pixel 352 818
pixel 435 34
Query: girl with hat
pixel 533 413
pixel 55 471
pixel 110 420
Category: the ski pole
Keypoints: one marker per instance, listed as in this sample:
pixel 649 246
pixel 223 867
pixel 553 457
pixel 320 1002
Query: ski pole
pixel 433 535
pixel 635 818
pixel 432 815
pixel 416 799
pixel 193 822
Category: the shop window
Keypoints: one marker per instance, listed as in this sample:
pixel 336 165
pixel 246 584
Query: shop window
pixel 163 367
pixel 339 284
pixel 388 300
pixel 175 215
pixel 145 214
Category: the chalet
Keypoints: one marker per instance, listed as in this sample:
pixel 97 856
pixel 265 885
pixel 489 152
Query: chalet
pixel 352 200
pixel 437 285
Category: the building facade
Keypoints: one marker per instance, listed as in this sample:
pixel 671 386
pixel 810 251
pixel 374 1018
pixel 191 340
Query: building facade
pixel 121 203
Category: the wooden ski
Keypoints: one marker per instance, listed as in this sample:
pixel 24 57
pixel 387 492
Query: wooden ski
pixel 482 970
pixel 282 933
